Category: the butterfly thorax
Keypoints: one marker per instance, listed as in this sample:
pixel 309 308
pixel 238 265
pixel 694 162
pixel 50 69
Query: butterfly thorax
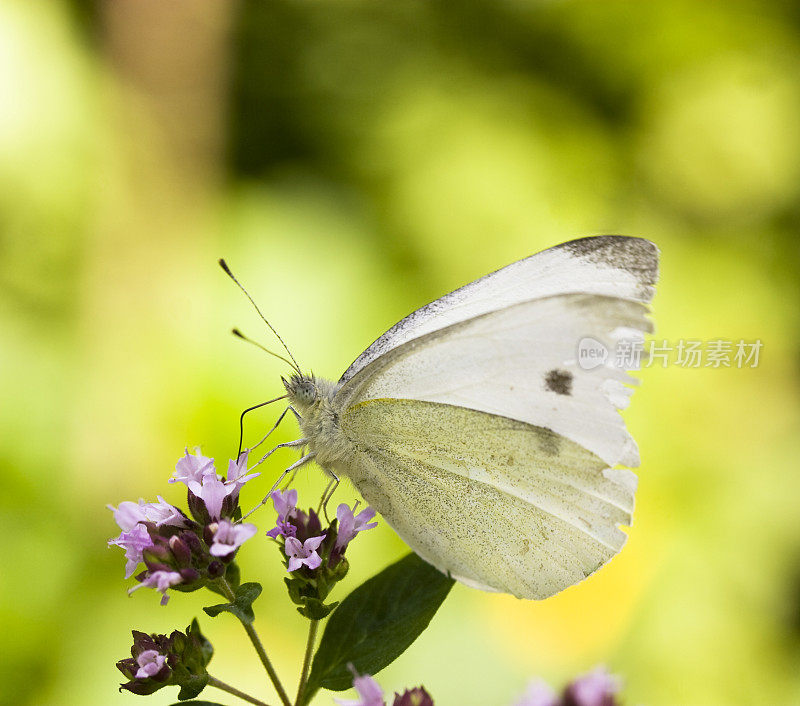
pixel 314 400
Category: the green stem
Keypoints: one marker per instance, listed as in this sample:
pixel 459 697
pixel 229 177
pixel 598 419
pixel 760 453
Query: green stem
pixel 262 654
pixel 312 637
pixel 233 690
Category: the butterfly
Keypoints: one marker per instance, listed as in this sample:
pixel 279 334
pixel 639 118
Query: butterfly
pixel 478 433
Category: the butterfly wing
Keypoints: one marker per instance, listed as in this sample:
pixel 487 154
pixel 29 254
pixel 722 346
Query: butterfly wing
pixel 482 441
pixel 498 504
pixel 610 265
pixel 521 362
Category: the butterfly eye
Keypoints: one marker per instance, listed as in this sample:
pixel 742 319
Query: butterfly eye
pixel 307 392
pixel 304 391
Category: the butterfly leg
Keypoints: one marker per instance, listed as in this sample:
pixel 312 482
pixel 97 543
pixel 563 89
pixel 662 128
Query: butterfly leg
pixel 301 462
pixel 288 444
pixel 258 406
pixel 275 426
pixel 330 489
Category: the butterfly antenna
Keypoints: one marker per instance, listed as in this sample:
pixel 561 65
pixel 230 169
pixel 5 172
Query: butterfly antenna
pixel 224 266
pixel 236 332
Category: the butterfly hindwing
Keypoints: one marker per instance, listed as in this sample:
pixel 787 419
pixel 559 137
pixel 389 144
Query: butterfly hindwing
pixel 524 511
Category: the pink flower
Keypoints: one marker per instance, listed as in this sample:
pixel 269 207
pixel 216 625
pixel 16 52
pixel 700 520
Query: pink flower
pixel 538 693
pixel 237 473
pixel 229 537
pixel 134 543
pixel 285 504
pixel 349 526
pixel 150 663
pixel 597 688
pixel 212 491
pixel 162 513
pixel 369 691
pixel 161 581
pixel 192 467
pixel 129 514
pixel 303 553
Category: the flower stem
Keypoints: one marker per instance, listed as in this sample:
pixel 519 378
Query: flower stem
pixel 312 637
pixel 262 654
pixel 232 690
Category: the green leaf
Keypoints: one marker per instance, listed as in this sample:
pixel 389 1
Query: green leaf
pixel 315 609
pixel 242 605
pixel 191 685
pixel 377 622
pixel 197 703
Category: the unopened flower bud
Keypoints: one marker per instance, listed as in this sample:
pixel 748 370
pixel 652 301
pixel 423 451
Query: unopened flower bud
pixel 216 569
pixel 413 697
pixel 181 551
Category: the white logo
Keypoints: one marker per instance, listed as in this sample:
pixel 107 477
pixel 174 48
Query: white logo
pixel 591 353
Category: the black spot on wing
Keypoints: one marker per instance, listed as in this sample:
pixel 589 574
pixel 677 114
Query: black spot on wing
pixel 635 255
pixel 558 381
pixel 549 442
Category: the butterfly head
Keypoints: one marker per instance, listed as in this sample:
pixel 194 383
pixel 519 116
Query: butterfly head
pixel 302 390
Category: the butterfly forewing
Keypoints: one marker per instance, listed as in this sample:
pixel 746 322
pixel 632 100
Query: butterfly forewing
pixel 521 362
pixel 610 265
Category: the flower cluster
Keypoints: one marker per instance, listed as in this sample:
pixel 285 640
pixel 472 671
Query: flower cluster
pixel 597 688
pixel 371 694
pixel 181 551
pixel 315 557
pixel 157 661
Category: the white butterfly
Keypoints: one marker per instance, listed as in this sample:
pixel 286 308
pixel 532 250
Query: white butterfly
pixel 471 427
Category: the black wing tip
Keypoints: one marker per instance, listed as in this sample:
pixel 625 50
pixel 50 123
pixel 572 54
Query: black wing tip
pixel 636 255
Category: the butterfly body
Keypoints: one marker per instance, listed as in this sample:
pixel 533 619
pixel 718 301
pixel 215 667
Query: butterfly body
pixel 314 399
pixel 472 427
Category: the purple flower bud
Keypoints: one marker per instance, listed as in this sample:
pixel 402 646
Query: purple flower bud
pixel 216 569
pixel 159 553
pixel 181 551
pixel 306 525
pixel 189 575
pixel 413 697
pixel 194 543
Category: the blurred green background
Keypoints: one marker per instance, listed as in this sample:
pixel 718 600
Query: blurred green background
pixel 353 160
